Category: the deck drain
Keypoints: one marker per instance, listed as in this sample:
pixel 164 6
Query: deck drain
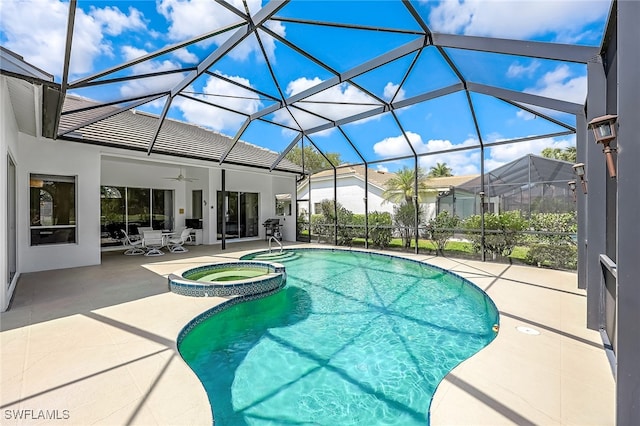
pixel 527 330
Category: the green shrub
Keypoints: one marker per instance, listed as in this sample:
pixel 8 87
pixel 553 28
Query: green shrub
pixel 323 224
pixel 502 231
pixel 563 225
pixel 404 221
pixel 558 256
pixel 380 229
pixel 440 229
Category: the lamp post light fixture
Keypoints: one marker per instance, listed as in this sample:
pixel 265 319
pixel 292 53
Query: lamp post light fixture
pixel 572 187
pixel 604 130
pixel 580 172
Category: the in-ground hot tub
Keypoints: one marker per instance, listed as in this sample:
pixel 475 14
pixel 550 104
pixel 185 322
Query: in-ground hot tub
pixel 241 278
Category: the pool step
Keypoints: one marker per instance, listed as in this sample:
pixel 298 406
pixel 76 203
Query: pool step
pixel 277 255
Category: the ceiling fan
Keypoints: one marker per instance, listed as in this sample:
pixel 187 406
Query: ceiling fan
pixel 181 178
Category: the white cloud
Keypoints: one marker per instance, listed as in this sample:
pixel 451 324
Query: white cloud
pixel 561 84
pixel 397 146
pixel 334 103
pixel 37 31
pixel 518 19
pixel 185 56
pixel 462 163
pixel 114 21
pixel 215 118
pixel 468 161
pixel 525 115
pixel 390 91
pixel 503 154
pixel 516 69
pixel 152 84
pixel 210 16
pixel 382 168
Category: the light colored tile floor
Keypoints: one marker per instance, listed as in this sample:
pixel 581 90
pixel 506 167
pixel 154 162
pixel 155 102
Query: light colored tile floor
pixel 99 342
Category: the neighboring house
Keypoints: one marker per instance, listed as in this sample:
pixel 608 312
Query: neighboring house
pixel 350 191
pixel 445 189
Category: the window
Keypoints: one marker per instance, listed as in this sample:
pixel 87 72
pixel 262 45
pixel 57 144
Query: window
pixel 196 204
pixel 283 204
pixel 52 208
pixel 127 209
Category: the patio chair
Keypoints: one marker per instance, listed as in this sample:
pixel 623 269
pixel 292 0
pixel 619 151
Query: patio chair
pixel 176 244
pixel 141 230
pixel 134 245
pixel 153 242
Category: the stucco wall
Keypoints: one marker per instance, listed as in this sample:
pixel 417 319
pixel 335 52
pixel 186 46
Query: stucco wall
pixel 350 194
pixel 8 147
pixel 43 156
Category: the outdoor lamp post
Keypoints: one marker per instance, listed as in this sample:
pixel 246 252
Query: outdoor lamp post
pixel 604 130
pixel 579 170
pixel 572 187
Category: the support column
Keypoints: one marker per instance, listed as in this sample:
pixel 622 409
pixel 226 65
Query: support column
pixel 483 194
pixel 335 207
pixel 225 208
pixel 416 201
pixel 628 205
pixel 596 175
pixel 366 205
pixel 581 201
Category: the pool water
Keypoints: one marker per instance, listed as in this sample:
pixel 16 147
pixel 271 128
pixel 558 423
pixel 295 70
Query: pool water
pixel 227 274
pixel 353 339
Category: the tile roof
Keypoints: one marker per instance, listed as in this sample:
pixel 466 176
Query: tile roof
pixel 134 130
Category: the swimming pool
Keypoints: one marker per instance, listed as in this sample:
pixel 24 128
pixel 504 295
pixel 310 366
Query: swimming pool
pixel 354 338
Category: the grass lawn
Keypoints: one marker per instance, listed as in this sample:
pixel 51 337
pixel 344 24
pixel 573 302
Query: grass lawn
pixel 452 248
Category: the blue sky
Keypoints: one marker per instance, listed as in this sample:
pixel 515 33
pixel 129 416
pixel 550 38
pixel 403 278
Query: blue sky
pixel 108 33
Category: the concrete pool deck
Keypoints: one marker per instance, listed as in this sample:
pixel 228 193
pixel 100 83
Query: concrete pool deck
pixel 96 345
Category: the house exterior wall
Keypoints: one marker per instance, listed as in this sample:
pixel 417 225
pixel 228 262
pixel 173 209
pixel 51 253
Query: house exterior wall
pixel 267 185
pixel 350 194
pixel 39 155
pixel 93 166
pixel 8 147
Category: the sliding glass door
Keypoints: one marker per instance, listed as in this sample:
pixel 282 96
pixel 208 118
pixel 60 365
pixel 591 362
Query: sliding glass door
pixel 128 209
pixel 239 210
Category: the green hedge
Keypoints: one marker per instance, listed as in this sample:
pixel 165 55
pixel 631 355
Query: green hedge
pixel 557 256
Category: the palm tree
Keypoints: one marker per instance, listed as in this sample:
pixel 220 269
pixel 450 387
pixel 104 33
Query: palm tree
pixel 440 170
pixel 401 186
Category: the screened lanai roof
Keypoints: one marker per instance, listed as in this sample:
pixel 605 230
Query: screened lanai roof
pixel 524 172
pixel 378 82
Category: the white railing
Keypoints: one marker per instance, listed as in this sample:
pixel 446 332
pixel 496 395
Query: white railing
pixel 277 241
